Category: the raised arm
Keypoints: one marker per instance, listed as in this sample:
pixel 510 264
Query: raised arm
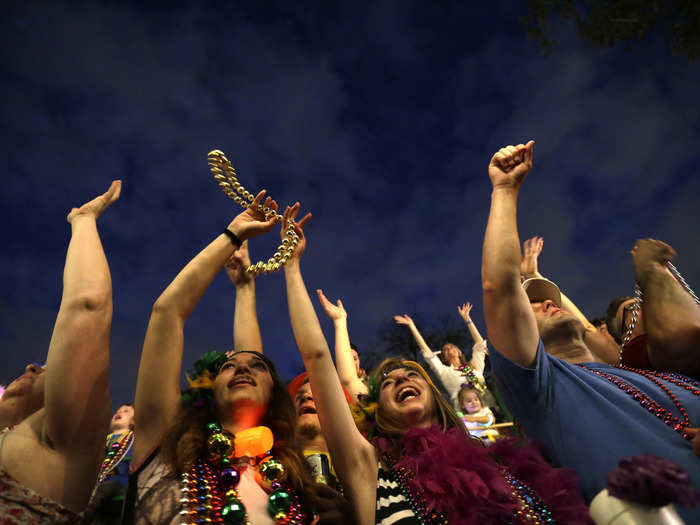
pixel 77 367
pixel 246 330
pixel 671 314
pixel 510 322
pixel 603 347
pixel 479 350
pixel 352 454
pixel 158 385
pixel 422 345
pixel 344 363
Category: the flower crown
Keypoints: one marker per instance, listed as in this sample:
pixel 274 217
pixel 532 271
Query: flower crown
pixel 201 378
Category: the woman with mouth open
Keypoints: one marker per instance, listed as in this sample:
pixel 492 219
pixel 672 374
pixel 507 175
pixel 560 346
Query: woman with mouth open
pixel 224 451
pixel 413 462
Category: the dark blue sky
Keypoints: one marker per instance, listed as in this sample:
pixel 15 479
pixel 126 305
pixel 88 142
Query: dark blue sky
pixel 379 117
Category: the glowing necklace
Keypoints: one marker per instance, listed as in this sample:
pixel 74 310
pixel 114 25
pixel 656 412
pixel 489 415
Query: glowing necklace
pixel 634 309
pixel 226 177
pixel 209 489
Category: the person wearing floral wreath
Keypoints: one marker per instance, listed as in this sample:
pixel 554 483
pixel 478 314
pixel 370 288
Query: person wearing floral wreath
pixel 420 466
pixel 54 418
pixel 588 414
pixel 450 365
pixel 224 451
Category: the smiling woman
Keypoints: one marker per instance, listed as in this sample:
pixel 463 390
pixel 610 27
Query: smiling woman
pixel 224 451
pixel 420 466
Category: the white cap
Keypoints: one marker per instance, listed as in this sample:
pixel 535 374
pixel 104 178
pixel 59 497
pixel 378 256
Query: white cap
pixel 539 289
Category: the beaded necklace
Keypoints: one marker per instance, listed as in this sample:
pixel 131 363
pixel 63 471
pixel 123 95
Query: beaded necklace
pixel 209 489
pixel 471 379
pixel 531 507
pixel 647 402
pixel 638 299
pixel 114 454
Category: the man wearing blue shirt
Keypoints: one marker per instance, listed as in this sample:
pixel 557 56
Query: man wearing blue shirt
pixel 588 414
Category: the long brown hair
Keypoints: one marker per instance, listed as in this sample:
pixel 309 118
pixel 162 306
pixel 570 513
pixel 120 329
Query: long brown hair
pixel 393 430
pixel 186 439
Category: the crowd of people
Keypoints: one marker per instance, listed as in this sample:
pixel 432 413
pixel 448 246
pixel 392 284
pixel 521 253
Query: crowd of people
pixel 336 444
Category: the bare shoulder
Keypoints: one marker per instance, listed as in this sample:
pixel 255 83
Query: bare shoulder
pixel 28 456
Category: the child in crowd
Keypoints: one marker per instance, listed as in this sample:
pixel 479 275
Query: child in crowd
pixel 475 415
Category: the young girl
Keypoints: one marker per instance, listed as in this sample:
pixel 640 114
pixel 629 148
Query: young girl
pixel 421 466
pixel 475 415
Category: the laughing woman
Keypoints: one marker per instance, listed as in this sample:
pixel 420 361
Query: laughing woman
pixel 224 452
pixel 421 466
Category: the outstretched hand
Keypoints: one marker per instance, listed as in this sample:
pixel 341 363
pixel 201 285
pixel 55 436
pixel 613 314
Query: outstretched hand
pixel 335 311
pixel 531 251
pixel 237 266
pixel 290 214
pixel 464 310
pixel 255 219
pixel 510 165
pixel 96 206
pixel 404 320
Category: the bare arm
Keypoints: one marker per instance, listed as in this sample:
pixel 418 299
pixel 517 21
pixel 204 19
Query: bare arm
pixel 77 373
pixel 353 455
pixel 510 322
pixel 407 321
pixel 246 329
pixel 158 384
pixel 529 268
pixel 671 315
pixel 464 312
pixel 344 363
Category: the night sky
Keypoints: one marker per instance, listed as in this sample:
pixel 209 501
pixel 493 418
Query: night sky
pixel 379 117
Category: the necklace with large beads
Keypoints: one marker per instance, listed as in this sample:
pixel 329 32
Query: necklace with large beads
pixel 470 378
pixel 114 454
pixel 209 489
pixel 650 404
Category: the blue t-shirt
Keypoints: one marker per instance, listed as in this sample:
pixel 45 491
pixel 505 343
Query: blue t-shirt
pixel 589 424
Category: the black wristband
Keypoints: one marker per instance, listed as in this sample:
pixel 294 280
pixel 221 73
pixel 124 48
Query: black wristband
pixel 234 238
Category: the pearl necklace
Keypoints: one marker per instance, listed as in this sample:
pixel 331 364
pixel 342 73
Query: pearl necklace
pixel 636 305
pixel 647 402
pixel 226 177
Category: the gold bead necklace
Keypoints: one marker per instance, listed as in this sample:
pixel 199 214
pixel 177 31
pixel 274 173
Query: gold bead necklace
pixel 226 178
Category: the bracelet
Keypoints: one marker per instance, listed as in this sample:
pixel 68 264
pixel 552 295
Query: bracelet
pixel 469 322
pixel 234 238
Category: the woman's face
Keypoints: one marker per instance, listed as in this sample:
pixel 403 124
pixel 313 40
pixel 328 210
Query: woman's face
pixel 243 380
pixel 405 396
pixel 451 353
pixel 471 403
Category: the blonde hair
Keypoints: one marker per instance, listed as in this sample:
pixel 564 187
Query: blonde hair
pixel 464 391
pixel 441 355
pixel 391 428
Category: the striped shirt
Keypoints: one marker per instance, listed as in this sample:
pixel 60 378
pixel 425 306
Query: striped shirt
pixel 393 508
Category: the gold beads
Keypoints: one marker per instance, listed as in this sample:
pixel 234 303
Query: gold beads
pixel 226 178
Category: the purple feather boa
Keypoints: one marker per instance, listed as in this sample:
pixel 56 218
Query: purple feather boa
pixel 464 481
